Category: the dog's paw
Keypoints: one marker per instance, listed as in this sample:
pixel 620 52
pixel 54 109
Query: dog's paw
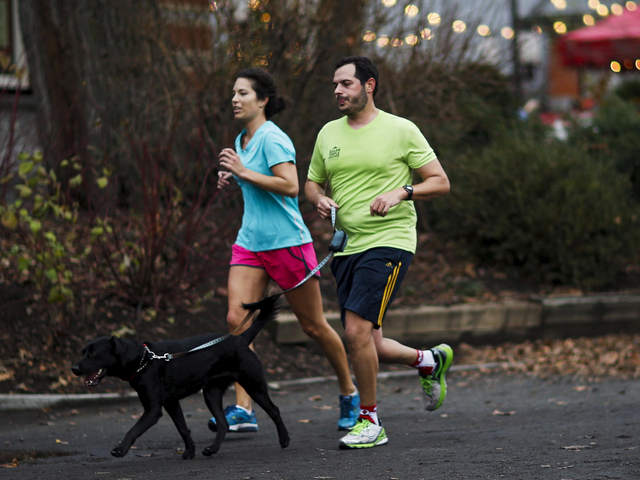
pixel 189 453
pixel 119 452
pixel 210 450
pixel 284 441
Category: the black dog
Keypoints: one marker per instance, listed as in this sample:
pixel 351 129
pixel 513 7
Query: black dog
pixel 161 383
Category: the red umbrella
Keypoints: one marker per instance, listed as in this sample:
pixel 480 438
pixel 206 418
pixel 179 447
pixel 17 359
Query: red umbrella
pixel 615 38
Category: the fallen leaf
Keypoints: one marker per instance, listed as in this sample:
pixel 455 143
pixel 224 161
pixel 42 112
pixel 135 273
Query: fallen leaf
pixel 609 358
pixel 315 398
pixel 581 388
pixel 13 464
pixel 498 412
pixel 61 442
pixel 576 447
pixel 304 421
pixel 6 376
pixel 324 407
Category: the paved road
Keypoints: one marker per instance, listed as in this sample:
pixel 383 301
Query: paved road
pixel 492 426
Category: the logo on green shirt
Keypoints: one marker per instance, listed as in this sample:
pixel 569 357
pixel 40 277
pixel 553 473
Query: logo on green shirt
pixel 334 152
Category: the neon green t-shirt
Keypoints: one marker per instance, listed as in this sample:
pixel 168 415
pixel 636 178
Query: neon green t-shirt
pixel 361 164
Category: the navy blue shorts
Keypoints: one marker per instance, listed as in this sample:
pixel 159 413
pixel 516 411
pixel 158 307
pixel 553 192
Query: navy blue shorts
pixel 367 282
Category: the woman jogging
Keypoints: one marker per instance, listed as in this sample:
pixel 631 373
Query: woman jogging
pixel 273 242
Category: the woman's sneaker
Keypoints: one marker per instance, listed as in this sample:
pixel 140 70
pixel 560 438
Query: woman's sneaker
pixel 349 411
pixel 364 435
pixel 239 420
pixel 434 385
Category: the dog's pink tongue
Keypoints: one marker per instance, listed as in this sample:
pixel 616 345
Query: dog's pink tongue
pixel 92 379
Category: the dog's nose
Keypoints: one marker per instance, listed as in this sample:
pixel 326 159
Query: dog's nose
pixel 76 370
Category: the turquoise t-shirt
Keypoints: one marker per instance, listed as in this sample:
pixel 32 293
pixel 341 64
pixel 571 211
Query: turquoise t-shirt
pixel 361 164
pixel 270 221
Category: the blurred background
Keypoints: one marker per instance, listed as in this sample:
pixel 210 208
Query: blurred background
pixel 112 114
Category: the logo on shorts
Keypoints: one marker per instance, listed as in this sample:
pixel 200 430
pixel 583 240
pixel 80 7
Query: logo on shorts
pixel 390 265
pixel 334 152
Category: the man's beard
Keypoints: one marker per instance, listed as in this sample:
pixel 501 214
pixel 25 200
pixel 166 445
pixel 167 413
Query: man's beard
pixel 356 104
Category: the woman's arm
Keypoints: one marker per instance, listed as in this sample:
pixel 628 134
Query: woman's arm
pixel 283 182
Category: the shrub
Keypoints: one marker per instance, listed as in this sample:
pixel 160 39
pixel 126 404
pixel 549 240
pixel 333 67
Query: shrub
pixel 615 136
pixel 545 208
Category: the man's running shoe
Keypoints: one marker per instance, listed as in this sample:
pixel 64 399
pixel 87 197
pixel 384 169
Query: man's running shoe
pixel 364 435
pixel 349 411
pixel 239 420
pixel 434 385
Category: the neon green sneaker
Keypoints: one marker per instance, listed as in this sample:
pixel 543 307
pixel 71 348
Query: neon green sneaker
pixel 434 385
pixel 364 435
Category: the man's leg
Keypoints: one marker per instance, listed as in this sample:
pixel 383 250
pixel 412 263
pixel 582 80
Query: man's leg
pixel 363 355
pixel 368 432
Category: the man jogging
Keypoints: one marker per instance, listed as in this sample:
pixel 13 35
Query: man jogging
pixel 367 158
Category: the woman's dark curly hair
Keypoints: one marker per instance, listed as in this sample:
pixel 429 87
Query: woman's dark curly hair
pixel 265 87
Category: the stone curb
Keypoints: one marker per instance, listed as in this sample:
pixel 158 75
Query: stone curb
pixel 23 402
pixel 542 317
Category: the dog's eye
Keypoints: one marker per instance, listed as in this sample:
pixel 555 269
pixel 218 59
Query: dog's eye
pixel 92 353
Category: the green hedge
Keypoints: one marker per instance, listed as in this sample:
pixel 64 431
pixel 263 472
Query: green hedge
pixel 548 209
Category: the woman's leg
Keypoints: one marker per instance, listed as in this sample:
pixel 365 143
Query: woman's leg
pixel 246 285
pixel 306 303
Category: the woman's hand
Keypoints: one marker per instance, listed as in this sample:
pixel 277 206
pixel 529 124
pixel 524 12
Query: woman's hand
pixel 223 179
pixel 231 161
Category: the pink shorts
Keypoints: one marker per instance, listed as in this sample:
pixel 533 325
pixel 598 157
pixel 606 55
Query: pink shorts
pixel 286 266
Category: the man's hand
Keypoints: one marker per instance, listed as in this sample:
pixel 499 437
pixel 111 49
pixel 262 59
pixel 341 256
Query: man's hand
pixel 315 194
pixel 385 201
pixel 324 206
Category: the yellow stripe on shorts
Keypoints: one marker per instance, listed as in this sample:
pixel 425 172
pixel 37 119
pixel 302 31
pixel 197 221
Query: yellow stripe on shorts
pixel 391 283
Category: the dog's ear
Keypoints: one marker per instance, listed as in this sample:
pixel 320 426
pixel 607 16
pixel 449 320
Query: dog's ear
pixel 125 350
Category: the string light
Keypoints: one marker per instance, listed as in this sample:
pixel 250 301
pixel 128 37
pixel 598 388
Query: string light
pixel 382 41
pixel 426 34
pixel 593 4
pixel 617 9
pixel 459 26
pixel 411 10
pixel 389 3
pixel 615 66
pixel 484 30
pixel 560 27
pixel 602 10
pixel 507 32
pixel 559 4
pixel 589 20
pixel 369 36
pixel 434 19
pixel 411 39
pixel 631 6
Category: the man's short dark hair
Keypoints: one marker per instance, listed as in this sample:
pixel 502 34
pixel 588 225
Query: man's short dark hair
pixel 365 69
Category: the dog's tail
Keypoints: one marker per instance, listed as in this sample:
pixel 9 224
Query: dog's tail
pixel 268 307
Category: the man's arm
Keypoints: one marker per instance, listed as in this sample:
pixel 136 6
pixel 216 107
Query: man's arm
pixel 434 184
pixel 315 193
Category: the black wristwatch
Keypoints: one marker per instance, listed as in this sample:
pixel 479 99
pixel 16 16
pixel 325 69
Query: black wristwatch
pixel 409 190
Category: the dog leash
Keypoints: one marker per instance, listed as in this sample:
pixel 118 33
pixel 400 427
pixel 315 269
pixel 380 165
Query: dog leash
pixel 338 244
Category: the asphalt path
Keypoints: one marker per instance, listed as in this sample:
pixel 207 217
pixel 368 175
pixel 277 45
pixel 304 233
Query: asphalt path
pixel 492 425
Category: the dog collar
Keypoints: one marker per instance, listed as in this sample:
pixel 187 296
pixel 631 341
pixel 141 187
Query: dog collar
pixel 144 361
